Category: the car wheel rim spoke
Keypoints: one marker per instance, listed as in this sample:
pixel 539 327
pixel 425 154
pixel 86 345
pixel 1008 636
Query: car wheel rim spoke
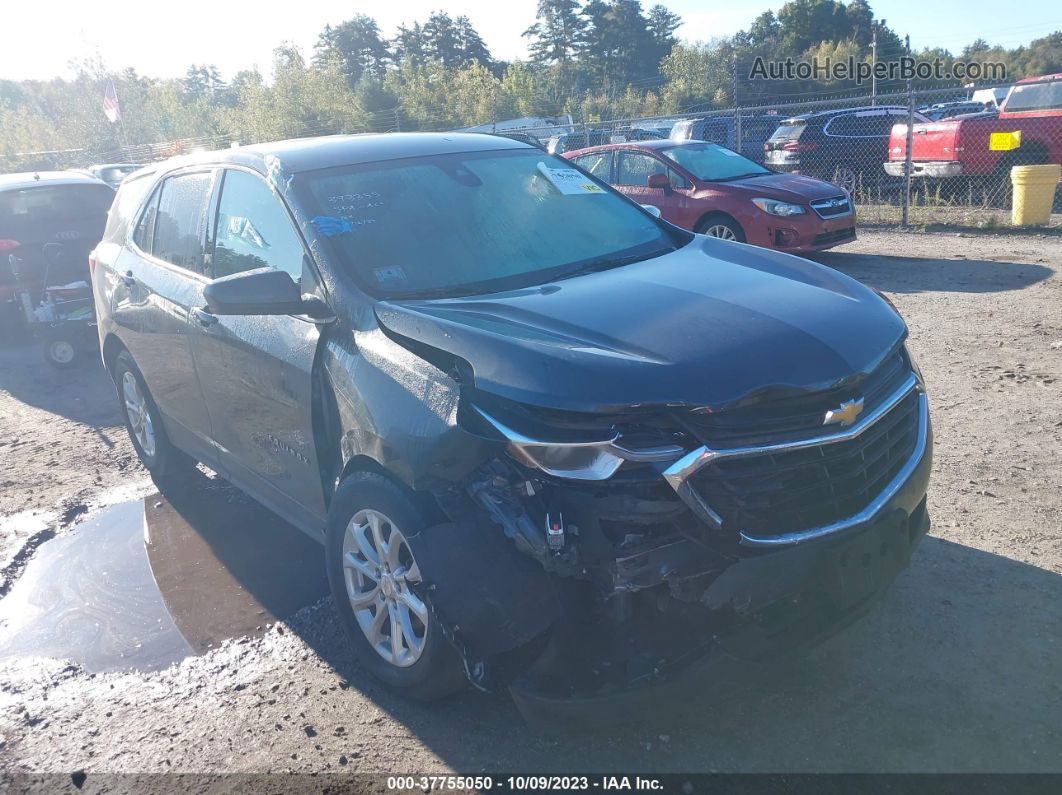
pixel 378 570
pixel 139 417
pixel 720 231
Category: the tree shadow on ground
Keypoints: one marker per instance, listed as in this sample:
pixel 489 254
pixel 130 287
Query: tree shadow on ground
pixel 898 274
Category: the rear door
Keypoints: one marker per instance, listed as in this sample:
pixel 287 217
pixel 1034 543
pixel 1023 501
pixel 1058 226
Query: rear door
pixel 633 170
pixel 257 371
pixel 162 272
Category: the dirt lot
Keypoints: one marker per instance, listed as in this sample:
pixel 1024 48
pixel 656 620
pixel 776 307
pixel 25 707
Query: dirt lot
pixel 959 669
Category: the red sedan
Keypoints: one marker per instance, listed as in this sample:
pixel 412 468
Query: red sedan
pixel 709 189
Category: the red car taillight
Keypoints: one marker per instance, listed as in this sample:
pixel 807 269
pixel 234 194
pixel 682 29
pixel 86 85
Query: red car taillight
pixel 797 146
pixel 9 245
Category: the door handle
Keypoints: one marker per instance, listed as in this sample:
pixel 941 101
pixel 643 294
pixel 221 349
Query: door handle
pixel 205 318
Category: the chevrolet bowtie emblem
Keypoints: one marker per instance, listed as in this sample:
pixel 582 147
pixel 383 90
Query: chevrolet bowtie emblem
pixel 845 414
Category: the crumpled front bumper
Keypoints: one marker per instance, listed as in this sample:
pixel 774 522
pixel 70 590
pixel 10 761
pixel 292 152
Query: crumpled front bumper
pixel 771 603
pixel 782 603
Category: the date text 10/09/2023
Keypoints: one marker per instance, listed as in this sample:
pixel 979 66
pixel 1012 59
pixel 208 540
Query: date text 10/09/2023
pixel 524 783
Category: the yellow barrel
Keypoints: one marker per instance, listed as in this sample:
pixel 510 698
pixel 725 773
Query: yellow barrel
pixel 1034 193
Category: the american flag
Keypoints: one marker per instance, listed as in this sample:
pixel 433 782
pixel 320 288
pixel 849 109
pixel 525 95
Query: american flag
pixel 110 103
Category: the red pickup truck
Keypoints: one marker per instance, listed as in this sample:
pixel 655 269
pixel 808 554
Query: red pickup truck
pixel 1026 131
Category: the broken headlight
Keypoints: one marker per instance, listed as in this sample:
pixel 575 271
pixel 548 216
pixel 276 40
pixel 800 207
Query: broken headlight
pixel 578 460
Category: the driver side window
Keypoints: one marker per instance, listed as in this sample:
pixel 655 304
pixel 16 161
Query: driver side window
pixel 253 229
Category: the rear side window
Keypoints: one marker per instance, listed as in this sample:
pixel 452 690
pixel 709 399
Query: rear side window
pixel 1034 96
pixel 127 201
pixel 181 221
pixel 253 229
pixel 599 164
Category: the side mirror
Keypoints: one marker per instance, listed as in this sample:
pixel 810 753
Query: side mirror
pixel 659 181
pixel 653 211
pixel 263 291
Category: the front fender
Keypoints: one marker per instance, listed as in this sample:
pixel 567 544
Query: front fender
pixel 398 411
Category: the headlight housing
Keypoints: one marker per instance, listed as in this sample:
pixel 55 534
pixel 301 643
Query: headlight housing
pixel 780 208
pixel 578 460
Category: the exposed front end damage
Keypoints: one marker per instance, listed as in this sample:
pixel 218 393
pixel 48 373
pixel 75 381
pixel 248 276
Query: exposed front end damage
pixel 579 584
pixel 619 497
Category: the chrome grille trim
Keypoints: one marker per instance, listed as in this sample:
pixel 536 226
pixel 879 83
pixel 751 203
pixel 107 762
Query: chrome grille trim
pixel 679 473
pixel 820 204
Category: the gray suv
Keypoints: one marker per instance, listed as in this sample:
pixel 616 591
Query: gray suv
pixel 550 442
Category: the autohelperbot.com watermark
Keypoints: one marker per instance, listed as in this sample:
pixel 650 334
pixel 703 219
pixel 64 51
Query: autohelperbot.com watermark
pixel 861 71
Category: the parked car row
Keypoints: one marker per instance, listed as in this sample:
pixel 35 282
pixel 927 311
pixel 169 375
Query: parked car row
pixel 848 146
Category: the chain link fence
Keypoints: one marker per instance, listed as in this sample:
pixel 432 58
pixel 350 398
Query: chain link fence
pixel 958 151
pixel 951 166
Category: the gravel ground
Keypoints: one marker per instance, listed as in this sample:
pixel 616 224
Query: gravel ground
pixel 958 669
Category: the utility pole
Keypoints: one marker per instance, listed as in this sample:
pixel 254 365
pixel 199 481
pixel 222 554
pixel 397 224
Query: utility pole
pixel 910 138
pixel 874 64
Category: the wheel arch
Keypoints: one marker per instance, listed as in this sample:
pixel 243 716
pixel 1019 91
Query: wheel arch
pixel 112 346
pixel 721 214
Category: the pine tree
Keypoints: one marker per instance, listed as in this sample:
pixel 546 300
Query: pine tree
pixel 558 33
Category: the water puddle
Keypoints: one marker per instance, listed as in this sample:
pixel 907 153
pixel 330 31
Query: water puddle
pixel 145 583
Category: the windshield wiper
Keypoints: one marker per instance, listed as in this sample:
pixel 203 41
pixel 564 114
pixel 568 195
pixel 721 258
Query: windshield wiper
pixel 740 176
pixel 605 263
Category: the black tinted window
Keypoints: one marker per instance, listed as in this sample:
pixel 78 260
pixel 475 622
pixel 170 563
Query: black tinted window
pixel 181 220
pixel 253 229
pixel 38 213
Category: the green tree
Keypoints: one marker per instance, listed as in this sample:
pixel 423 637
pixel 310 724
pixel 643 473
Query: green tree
pixel 558 32
pixel 357 45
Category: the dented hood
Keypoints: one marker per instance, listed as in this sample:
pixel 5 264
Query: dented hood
pixel 708 324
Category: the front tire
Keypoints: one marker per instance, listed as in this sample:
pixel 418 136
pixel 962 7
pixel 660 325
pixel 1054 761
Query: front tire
pixel 144 423
pixel 375 581
pixel 721 226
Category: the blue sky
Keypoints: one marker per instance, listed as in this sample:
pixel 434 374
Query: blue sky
pixel 162 39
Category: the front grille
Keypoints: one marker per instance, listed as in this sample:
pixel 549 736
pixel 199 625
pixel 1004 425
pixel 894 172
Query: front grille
pixel 833 207
pixel 848 233
pixel 785 492
pixel 770 419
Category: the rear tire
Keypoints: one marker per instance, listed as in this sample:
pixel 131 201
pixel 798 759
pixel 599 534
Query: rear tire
pixel 144 423
pixel 374 577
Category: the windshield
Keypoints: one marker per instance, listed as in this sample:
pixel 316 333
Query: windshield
pixel 474 222
pixel 713 163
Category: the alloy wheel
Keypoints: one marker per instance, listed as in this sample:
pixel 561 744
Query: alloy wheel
pixel 722 231
pixel 848 179
pixel 379 570
pixel 136 409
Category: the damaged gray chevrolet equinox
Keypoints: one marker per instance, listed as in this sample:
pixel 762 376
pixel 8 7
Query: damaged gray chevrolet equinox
pixel 550 442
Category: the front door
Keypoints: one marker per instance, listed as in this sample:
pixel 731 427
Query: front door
pixel 256 371
pixel 633 170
